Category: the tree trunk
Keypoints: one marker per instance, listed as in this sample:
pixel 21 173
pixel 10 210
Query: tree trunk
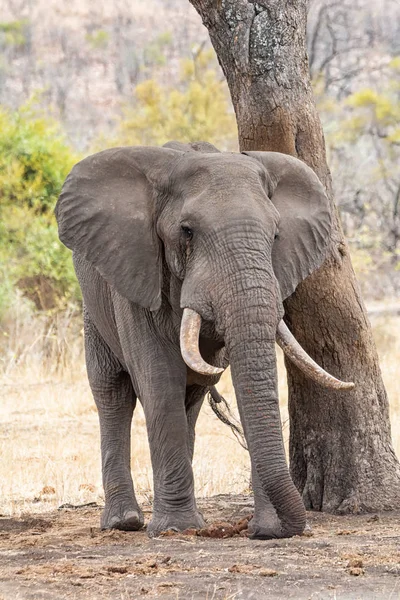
pixel 341 457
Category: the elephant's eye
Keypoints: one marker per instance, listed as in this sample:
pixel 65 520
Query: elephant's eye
pixel 187 232
pixel 276 235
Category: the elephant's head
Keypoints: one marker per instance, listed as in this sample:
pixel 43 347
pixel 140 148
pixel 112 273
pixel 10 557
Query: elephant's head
pixel 227 237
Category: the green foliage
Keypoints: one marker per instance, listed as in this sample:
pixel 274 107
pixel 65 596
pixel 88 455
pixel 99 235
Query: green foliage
pixel 98 39
pixel 34 161
pixel 154 52
pixel 13 33
pixel 6 289
pixel 198 109
pixel 375 111
pixel 367 111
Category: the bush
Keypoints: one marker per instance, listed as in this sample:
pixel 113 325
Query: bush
pixel 198 109
pixel 34 161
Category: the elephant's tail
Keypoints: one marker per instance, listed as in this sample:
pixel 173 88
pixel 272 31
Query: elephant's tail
pixel 221 408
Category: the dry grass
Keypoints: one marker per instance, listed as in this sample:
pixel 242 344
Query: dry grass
pixel 49 438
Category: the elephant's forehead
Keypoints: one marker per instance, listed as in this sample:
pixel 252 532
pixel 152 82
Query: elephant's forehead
pixel 207 170
pixel 216 187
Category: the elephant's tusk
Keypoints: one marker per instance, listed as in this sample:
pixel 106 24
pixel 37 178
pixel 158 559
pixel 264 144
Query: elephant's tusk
pixel 291 347
pixel 189 340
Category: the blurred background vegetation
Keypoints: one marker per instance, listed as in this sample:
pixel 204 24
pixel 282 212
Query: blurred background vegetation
pixel 76 79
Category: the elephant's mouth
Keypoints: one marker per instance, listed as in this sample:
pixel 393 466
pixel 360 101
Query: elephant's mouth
pixel 189 343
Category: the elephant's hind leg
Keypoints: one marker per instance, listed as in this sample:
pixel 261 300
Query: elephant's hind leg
pixel 115 400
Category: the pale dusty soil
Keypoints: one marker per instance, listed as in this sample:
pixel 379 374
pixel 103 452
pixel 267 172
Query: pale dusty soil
pixel 63 554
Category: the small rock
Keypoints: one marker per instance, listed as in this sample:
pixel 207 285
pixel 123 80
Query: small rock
pixel 373 519
pixel 268 573
pixel 152 564
pixel 116 569
pixel 355 562
pixel 234 569
pixel 356 571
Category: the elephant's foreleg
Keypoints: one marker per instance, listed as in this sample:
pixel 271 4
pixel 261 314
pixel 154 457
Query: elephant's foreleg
pixel 115 400
pixel 163 400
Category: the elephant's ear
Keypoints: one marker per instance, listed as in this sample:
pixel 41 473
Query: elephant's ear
pixel 305 223
pixel 105 213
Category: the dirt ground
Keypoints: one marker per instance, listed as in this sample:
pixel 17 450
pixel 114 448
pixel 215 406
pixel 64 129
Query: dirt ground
pixel 63 554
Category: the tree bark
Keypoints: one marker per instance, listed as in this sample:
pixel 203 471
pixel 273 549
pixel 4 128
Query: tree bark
pixel 341 456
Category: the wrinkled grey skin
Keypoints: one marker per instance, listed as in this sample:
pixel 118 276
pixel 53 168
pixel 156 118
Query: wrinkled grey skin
pixel 260 224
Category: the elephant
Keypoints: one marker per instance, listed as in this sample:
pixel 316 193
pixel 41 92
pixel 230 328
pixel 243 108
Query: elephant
pixel 184 255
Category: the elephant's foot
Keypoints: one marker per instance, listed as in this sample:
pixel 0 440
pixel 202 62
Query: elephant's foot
pixel 125 516
pixel 174 522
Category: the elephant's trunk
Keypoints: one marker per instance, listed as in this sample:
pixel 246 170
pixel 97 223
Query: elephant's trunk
pixel 251 346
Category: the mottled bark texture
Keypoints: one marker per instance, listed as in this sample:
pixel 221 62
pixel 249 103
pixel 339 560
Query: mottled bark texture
pixel 341 455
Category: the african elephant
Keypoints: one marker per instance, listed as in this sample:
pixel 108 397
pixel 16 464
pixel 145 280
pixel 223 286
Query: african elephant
pixel 185 255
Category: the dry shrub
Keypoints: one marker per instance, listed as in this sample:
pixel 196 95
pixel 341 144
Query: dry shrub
pixel 40 346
